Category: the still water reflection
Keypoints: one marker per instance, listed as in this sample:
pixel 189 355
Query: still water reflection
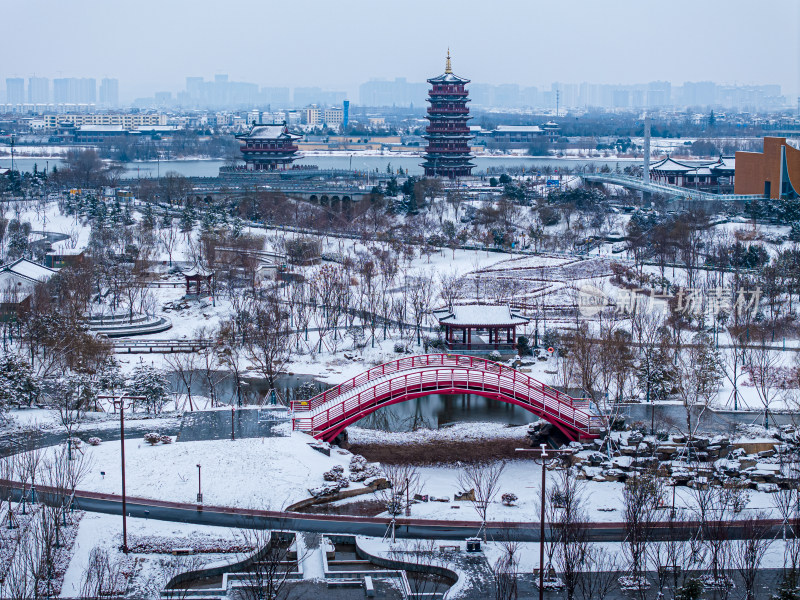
pixel 430 412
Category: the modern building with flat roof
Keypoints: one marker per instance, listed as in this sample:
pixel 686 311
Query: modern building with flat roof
pixel 775 172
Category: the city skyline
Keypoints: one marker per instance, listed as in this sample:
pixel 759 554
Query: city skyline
pixel 220 92
pixel 529 44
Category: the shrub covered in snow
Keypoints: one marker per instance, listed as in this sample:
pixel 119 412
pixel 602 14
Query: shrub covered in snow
pixel 369 472
pixel 494 355
pixel 94 441
pixel 508 498
pixel 334 474
pixel 165 439
pixel 75 442
pixel 394 506
pixel 326 489
pixel 358 463
pixel 152 438
pixel 400 348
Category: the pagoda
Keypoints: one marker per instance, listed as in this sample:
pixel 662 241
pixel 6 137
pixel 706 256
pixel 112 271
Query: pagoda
pixel 267 147
pixel 448 135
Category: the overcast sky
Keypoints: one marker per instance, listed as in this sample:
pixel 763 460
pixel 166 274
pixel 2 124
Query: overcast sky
pixel 153 45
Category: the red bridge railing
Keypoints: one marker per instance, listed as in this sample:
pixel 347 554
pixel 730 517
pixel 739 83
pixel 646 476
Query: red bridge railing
pixel 416 376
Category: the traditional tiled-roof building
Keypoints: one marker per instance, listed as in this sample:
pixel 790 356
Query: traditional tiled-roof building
pixel 268 147
pixel 448 135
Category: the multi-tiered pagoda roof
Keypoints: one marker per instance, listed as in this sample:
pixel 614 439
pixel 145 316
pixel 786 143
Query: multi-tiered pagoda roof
pixel 268 146
pixel 448 151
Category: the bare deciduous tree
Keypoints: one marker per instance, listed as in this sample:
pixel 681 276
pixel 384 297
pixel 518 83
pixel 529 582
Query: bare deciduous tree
pixel 484 480
pixel 267 574
pixel 505 571
pixel 601 574
pixel 641 497
pixel 102 575
pixel 570 534
pixel 748 552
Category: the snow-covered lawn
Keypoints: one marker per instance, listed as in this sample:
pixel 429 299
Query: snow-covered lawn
pixel 272 473
pixel 258 473
pixel 105 532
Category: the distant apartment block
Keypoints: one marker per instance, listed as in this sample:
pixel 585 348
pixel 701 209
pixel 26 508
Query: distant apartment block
pixel 15 90
pixel 38 90
pixel 75 90
pixel 312 116
pixel 125 120
pixel 333 117
pixel 109 92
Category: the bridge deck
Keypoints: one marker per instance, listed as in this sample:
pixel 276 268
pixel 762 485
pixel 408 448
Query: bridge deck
pixel 328 413
pixel 637 183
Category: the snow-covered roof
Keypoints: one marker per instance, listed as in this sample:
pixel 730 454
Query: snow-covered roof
pixel 670 164
pixel 101 128
pixel 518 129
pixel 11 281
pixel 271 131
pixel 197 270
pixel 66 251
pixel 726 163
pixel 448 78
pixel 30 270
pixel 479 314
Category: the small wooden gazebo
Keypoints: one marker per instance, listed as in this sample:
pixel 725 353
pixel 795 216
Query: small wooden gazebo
pixel 200 277
pixel 478 327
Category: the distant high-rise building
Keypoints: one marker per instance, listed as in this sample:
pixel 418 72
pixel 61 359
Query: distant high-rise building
pixel 15 90
pixel 345 113
pixel 194 86
pixel 399 92
pixel 659 93
pixel 109 92
pixel 621 98
pixel 700 93
pixel 315 95
pixel 448 136
pixel 276 96
pixel 163 99
pixel 61 91
pixel 75 90
pixel 38 90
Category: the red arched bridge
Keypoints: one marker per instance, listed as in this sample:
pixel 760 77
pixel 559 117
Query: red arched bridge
pixel 325 416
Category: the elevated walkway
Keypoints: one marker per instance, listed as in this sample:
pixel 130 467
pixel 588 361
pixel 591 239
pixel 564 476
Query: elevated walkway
pixel 672 191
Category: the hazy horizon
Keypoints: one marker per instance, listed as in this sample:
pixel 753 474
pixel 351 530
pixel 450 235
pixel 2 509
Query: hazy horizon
pixel 154 46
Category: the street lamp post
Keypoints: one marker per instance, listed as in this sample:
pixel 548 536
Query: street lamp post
pixel 408 505
pixel 120 403
pixel 543 455
pixel 199 488
pixel 541 526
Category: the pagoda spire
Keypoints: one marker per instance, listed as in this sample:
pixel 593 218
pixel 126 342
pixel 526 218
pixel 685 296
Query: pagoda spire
pixel 447 67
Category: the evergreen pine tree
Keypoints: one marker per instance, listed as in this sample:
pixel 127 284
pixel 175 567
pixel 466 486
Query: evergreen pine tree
pixel 148 218
pixel 150 383
pixel 18 383
pixel 187 219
